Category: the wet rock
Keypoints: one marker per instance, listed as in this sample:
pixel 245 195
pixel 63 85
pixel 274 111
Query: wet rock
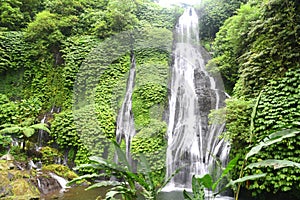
pixel 47 184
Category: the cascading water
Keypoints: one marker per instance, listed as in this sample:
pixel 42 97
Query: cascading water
pixel 41 134
pixel 62 182
pixel 192 143
pixel 125 121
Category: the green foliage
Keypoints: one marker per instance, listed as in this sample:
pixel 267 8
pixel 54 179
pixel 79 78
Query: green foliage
pixel 11 15
pixel 48 31
pixel 18 154
pixel 118 17
pixel 212 15
pixel 5 141
pixel 277 110
pixel 285 146
pixel 249 49
pixel 15 14
pixel 63 130
pixel 143 178
pixel 95 131
pixel 271 139
pixel 67 7
pixel 205 181
pixel 75 49
pixel 60 170
pixel 65 133
pixel 238 122
pixel 38 69
pixel 273 46
pixel 23 129
pixel 157 16
pixel 50 155
pixel 13 51
pixel 198 185
pixel 230 44
pixel 145 97
pixel 276 164
pixel 151 143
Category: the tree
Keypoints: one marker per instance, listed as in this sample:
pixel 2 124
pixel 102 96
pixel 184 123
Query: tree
pixel 213 13
pixel 231 43
pixel 48 31
pixel 11 16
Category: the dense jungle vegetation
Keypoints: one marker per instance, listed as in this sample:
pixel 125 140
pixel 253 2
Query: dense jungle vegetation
pixel 257 51
pixel 49 53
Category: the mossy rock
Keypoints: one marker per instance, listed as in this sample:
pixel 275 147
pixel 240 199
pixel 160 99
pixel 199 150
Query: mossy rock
pixel 23 189
pixel 6 164
pixel 61 170
pixel 49 155
pixel 14 184
pixel 16 188
pixel 17 174
pixel 5 188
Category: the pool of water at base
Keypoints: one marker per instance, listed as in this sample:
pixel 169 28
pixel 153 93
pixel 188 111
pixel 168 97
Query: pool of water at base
pixel 79 193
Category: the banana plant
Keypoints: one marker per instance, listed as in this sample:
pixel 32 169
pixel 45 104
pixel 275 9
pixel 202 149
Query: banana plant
pixel 199 183
pixel 132 184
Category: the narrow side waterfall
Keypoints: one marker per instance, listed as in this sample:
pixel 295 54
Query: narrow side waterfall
pixel 41 134
pixel 192 142
pixel 62 182
pixel 125 121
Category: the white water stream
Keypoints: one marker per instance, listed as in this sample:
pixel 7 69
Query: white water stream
pixel 193 145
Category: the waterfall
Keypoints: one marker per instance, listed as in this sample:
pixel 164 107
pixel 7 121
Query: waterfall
pixel 41 134
pixel 62 182
pixel 50 182
pixel 125 121
pixel 192 143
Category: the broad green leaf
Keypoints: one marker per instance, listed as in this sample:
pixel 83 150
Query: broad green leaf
pixel 84 177
pixel 187 196
pixel 110 195
pixel 253 114
pixel 145 166
pixel 27 122
pixel 276 164
pixel 10 130
pixel 228 168
pixel 7 125
pixel 99 160
pixel 95 166
pixel 121 155
pixel 245 178
pixel 41 126
pixel 271 139
pixel 168 179
pixel 28 132
pixel 104 184
pixel 205 180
